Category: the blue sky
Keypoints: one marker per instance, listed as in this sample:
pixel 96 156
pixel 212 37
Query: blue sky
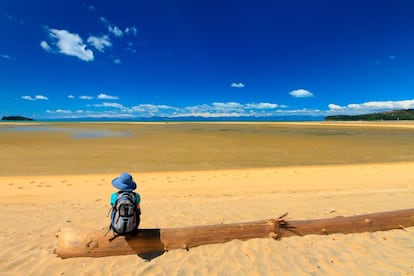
pixel 126 59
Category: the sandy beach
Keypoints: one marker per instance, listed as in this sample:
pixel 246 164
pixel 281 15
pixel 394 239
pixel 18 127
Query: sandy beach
pixel 54 175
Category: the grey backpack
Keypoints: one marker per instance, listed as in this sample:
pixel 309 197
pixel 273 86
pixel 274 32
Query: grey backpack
pixel 124 215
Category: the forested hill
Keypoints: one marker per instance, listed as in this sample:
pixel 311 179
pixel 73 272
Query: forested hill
pixel 15 118
pixel 406 114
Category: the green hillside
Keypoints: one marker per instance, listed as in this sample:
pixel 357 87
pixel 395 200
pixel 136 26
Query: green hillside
pixel 406 114
pixel 15 118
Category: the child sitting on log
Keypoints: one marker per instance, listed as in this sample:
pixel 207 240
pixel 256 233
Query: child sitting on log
pixel 126 211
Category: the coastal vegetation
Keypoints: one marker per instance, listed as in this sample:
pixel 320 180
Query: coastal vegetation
pixel 405 114
pixel 15 118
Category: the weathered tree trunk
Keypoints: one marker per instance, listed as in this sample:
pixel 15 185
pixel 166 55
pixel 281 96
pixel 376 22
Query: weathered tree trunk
pixel 80 242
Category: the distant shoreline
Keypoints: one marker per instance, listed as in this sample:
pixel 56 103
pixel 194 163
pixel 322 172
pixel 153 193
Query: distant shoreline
pixel 388 123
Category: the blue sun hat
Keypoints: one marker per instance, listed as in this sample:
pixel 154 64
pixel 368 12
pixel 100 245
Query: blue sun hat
pixel 124 182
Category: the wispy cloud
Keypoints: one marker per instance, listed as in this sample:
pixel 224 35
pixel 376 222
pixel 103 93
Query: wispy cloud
pixel 213 110
pixel 14 19
pixel 229 109
pixel 113 105
pixel 91 8
pixel 100 96
pixel 100 43
pixel 130 47
pixel 262 106
pixel 35 98
pixel 60 111
pixel 117 60
pixel 5 56
pixel 67 43
pixel 237 85
pixel 117 31
pixel 301 93
pixel 28 98
pixel 109 107
pixel 107 97
pixel 131 30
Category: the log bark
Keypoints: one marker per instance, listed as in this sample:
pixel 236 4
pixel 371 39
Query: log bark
pixel 81 242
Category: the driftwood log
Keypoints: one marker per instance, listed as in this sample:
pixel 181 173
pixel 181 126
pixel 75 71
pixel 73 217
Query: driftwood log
pixel 81 242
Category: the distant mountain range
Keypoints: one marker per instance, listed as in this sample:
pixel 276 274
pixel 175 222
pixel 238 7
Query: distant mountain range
pixel 405 114
pixel 186 119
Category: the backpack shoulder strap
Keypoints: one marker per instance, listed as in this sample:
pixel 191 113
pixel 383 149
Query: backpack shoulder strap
pixel 129 195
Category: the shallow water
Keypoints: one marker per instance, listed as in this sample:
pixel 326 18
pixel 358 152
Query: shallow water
pixel 80 133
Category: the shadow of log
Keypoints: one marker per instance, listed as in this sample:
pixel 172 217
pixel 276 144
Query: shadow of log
pixel 150 256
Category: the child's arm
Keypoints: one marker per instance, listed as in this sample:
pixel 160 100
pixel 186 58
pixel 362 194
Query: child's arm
pixel 113 198
pixel 138 200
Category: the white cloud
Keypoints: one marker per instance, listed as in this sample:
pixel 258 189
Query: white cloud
pixel 41 97
pixel 107 97
pixel 100 43
pixel 217 109
pixel 115 31
pixel 372 106
pixel 35 98
pixel 104 20
pixel 28 98
pixel 335 107
pixel 46 46
pixel 114 105
pixel 209 114
pixel 131 30
pixel 229 109
pixel 150 109
pixel 69 44
pixel 301 93
pixel 85 97
pixel 228 105
pixel 117 60
pixel 71 96
pixel 237 85
pixel 261 105
pixel 65 111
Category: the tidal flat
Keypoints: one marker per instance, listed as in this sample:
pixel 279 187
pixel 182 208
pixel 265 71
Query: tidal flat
pixel 88 148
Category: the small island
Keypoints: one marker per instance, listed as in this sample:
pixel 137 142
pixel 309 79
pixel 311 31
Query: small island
pixel 16 118
pixel 395 115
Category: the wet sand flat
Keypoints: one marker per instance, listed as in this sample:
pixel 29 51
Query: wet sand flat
pixel 72 148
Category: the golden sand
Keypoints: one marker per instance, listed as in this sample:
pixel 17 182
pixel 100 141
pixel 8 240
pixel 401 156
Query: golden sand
pixel 214 173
